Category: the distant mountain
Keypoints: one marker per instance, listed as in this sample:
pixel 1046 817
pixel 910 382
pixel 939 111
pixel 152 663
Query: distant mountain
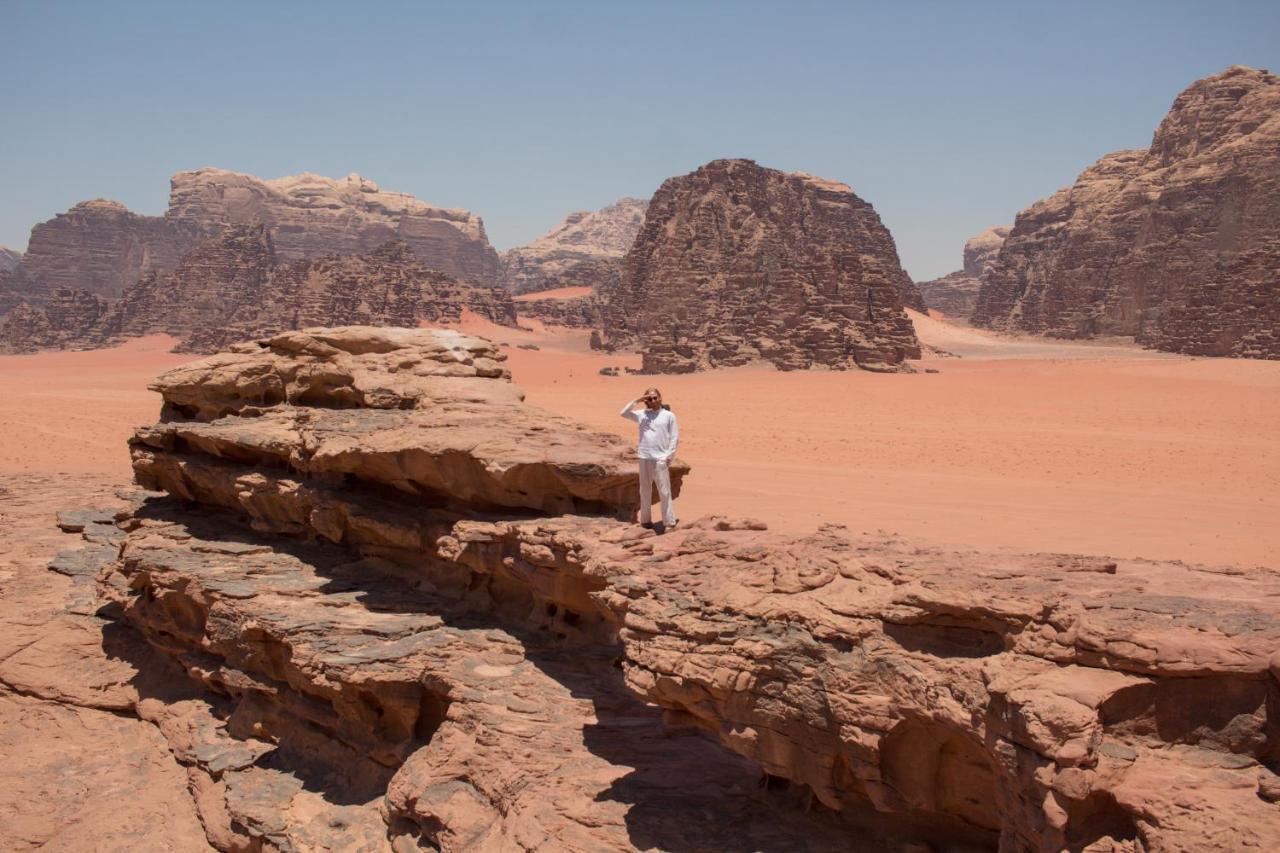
pixel 1177 244
pixel 955 294
pixel 103 248
pixel 739 263
pixel 580 251
pixel 236 287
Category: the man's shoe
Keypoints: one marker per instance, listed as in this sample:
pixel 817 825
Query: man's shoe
pixel 647 525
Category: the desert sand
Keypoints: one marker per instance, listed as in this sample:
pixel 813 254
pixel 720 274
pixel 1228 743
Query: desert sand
pixel 1097 448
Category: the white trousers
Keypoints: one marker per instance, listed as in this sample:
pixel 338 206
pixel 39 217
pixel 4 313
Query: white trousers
pixel 652 471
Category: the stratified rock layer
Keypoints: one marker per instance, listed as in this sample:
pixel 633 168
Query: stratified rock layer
pixel 738 263
pixel 104 249
pixel 585 249
pixel 234 287
pixel 364 634
pixel 1178 244
pixel 956 294
pixel 101 247
pixel 311 216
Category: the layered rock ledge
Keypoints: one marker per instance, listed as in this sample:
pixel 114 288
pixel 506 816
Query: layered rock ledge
pixel 434 662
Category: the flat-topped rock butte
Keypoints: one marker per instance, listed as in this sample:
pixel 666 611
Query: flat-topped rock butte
pixel 346 646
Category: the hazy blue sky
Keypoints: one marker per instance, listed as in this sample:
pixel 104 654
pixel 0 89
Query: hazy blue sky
pixel 949 117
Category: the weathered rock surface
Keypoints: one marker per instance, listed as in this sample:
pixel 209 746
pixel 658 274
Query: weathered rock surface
pixel 429 413
pixel 584 249
pixel 312 216
pixel 374 665
pixel 956 294
pixel 235 287
pixel 9 259
pixel 1178 244
pixel 70 319
pixel 102 247
pixel 738 263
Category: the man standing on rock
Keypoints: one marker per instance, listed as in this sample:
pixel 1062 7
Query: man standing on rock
pixel 659 436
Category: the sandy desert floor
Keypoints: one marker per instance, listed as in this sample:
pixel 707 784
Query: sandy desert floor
pixel 1098 448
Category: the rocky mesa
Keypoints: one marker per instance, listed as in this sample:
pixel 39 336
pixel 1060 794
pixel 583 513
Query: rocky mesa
pixel 236 287
pixel 310 215
pixel 411 612
pixel 1176 244
pixel 582 251
pixel 739 263
pixel 103 248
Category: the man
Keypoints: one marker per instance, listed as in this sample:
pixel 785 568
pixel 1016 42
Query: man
pixel 659 437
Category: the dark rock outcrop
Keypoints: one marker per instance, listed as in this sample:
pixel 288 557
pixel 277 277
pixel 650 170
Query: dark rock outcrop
pixel 70 319
pixel 583 250
pixel 103 248
pixel 1177 244
pixel 234 287
pixel 956 294
pixel 411 651
pixel 738 263
pixel 312 216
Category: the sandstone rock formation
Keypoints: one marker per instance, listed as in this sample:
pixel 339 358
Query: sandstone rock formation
pixel 234 287
pixel 583 250
pixel 577 312
pixel 956 294
pixel 311 216
pixel 399 618
pixel 9 259
pixel 1177 244
pixel 103 248
pixel 70 319
pixel 738 263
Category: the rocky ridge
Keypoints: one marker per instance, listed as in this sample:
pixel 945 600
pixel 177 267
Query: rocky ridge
pixel 956 294
pixel 738 263
pixel 583 250
pixel 417 650
pixel 311 216
pixel 103 248
pixel 1177 244
pixel 235 287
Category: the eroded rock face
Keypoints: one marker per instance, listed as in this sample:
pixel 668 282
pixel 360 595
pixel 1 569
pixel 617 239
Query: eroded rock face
pixel 956 294
pixel 1177 244
pixel 70 319
pixel 311 216
pixel 434 655
pixel 738 263
pixel 102 247
pixel 235 287
pixel 9 259
pixel 583 250
pixel 432 414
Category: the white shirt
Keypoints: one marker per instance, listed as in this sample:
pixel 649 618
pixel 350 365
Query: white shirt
pixel 659 432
